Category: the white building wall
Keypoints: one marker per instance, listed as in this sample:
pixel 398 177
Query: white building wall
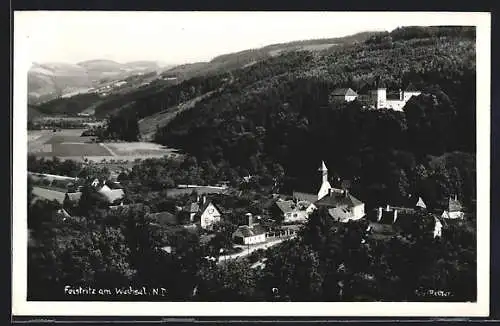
pixel 310 209
pixel 350 98
pixel 210 216
pixel 437 229
pixel 408 95
pixel 255 239
pixel 396 105
pixel 358 211
pixel 452 215
pixel 381 98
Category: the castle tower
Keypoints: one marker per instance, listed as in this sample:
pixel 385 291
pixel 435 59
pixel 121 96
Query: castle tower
pixel 325 185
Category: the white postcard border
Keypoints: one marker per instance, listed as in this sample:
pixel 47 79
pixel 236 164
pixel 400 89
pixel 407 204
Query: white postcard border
pixel 21 307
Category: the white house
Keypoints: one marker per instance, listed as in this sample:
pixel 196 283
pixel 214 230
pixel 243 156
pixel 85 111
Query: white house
pixel 204 211
pixel 305 199
pixel 438 226
pixel 293 211
pixel 454 209
pixel 209 216
pixel 249 234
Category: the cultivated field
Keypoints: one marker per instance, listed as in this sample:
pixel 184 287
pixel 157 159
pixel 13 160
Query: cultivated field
pixel 138 149
pixel 48 194
pixel 68 144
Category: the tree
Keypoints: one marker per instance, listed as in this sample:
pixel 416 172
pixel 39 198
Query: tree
pixel 81 254
pixel 230 281
pixel 295 272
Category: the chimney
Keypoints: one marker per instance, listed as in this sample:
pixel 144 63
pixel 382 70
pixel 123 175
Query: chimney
pixel 456 197
pixel 250 219
pixel 197 198
pixel 379 214
pixel 346 192
pixel 387 208
pixel 204 199
pixel 395 215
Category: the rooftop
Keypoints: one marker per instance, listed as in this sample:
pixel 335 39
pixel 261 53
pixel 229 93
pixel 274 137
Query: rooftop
pixel 249 231
pixel 338 200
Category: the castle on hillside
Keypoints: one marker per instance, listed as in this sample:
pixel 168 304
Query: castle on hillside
pixel 395 102
pixel 377 98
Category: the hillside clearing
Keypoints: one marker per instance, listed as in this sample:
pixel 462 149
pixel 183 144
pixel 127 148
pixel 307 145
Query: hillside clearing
pixel 149 125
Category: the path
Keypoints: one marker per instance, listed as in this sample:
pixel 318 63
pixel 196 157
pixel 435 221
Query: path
pixel 113 153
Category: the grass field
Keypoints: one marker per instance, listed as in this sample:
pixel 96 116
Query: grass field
pixel 44 193
pixel 68 144
pixel 138 148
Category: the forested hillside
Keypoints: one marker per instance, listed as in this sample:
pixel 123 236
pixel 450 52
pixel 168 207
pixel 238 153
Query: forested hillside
pixel 278 111
pixel 160 94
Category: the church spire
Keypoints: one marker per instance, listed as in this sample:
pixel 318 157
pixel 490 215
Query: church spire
pixel 324 172
pixel 325 185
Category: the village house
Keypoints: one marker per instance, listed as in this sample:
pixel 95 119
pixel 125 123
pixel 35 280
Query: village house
pixel 203 212
pixel 403 216
pixel 109 191
pixel 291 211
pixel 454 209
pixel 343 94
pixel 342 206
pixel 112 196
pixel 252 233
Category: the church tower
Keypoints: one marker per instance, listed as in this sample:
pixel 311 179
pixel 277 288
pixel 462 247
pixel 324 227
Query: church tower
pixel 325 185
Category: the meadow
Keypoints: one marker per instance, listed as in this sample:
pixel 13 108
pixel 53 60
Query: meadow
pixel 69 144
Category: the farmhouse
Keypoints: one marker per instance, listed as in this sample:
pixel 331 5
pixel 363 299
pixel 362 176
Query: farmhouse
pixel 454 209
pixel 249 234
pixel 112 196
pixel 405 216
pixel 291 210
pixel 203 212
pixel 343 94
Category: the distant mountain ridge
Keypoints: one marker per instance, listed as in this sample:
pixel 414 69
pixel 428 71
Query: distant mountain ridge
pixel 249 57
pixel 50 80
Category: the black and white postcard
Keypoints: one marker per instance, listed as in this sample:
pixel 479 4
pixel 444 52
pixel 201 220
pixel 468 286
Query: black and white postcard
pixel 251 163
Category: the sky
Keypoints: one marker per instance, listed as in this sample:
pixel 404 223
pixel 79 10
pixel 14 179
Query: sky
pixel 185 37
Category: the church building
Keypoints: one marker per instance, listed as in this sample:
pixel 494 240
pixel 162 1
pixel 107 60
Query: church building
pixel 341 205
